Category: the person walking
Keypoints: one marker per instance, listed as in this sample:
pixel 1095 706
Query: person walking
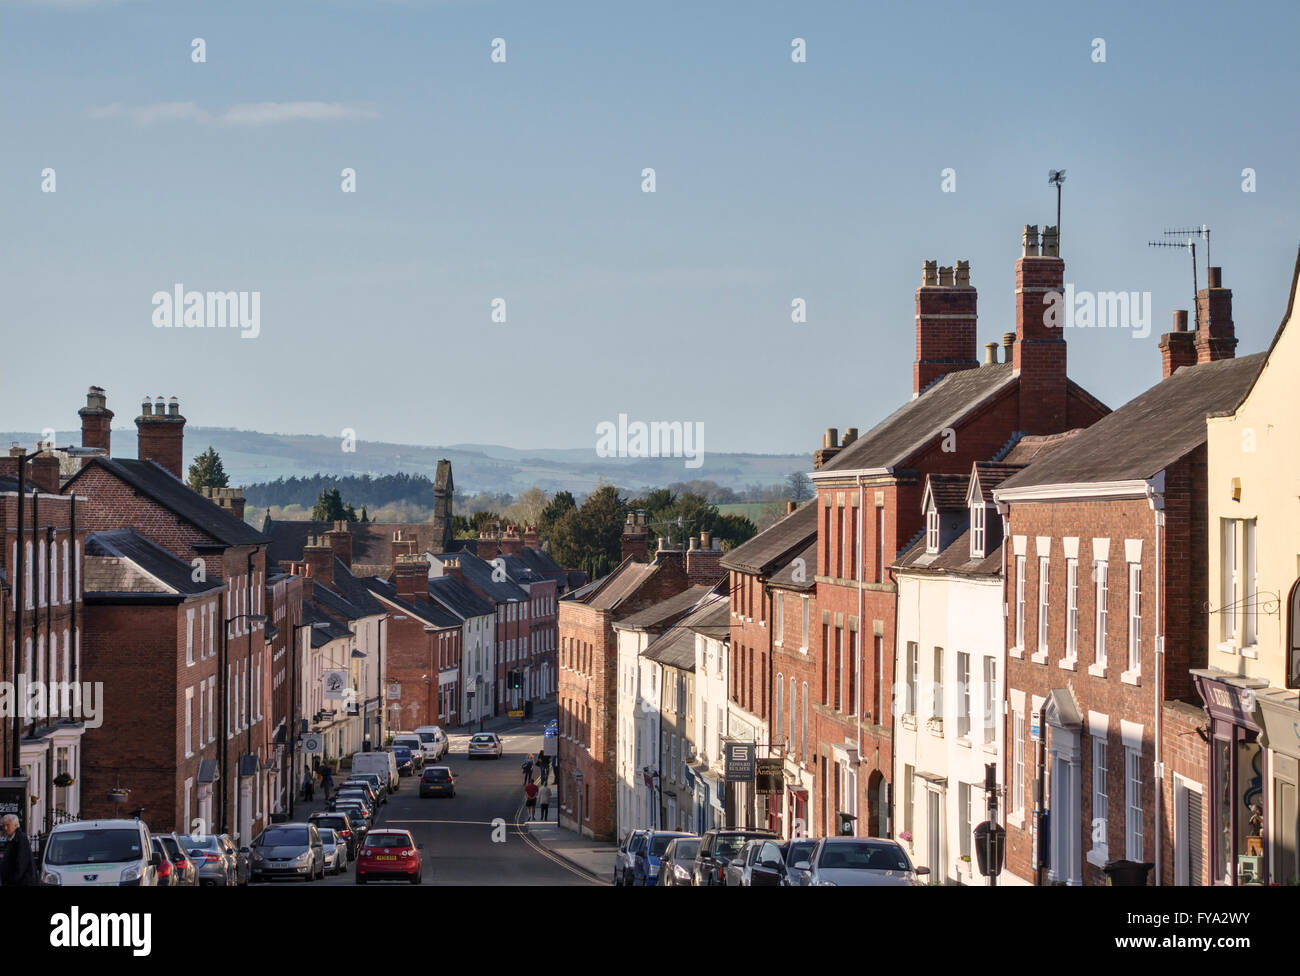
pixel 327 782
pixel 530 799
pixel 544 801
pixel 18 867
pixel 528 769
pixel 544 768
pixel 308 786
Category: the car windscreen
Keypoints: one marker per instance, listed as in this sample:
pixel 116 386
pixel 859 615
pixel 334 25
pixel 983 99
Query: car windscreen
pixel 332 823
pixel 686 850
pixel 204 842
pixel 353 794
pixel 483 738
pixel 729 845
pixel 863 857
pixel 402 752
pixel 169 844
pixel 637 844
pixel 428 737
pixel 410 742
pixel 100 846
pixel 800 850
pixel 388 840
pixel 284 837
pixel 659 843
pixel 326 835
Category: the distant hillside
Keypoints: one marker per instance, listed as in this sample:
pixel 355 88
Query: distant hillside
pixel 251 457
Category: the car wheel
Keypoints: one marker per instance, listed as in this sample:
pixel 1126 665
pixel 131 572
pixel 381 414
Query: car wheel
pixel 415 878
pixel 361 879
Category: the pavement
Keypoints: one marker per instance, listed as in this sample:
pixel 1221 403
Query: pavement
pixel 594 858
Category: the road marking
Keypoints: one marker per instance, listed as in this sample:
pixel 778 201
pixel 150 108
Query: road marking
pixel 528 839
pixel 477 823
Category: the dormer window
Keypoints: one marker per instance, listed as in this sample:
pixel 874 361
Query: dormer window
pixel 932 530
pixel 977 512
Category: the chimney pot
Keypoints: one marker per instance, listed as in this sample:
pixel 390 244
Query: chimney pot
pixel 1029 241
pixel 1051 242
pixel 990 354
pixel 850 435
pixel 929 274
pixel 963 274
pixel 1215 277
pixel 790 507
pixel 1180 320
pixel 831 438
pixel 945 277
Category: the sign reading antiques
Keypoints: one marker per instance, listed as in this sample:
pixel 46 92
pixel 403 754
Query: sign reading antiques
pixel 739 762
pixel 770 777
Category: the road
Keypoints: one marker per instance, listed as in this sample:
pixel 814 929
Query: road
pixel 473 838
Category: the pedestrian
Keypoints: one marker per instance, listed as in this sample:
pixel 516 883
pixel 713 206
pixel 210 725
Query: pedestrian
pixel 544 765
pixel 528 769
pixel 17 867
pixel 308 784
pixel 530 799
pixel 327 781
pixel 544 800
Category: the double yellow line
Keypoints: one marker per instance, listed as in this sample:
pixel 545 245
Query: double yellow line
pixel 540 849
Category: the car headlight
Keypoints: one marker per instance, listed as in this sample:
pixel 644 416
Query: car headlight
pixel 50 878
pixel 257 855
pixel 680 873
pixel 131 873
pixel 304 857
pixel 822 883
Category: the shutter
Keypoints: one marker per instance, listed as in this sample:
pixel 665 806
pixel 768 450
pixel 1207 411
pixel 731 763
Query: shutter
pixel 1195 838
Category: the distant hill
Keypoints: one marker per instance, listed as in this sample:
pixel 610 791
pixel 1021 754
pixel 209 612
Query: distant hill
pixel 250 457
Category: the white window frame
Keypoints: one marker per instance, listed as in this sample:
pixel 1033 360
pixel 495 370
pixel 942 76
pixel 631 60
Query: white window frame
pixel 1100 800
pixel 1250 584
pixel 778 629
pixel 963 694
pixel 1021 562
pixel 1133 839
pixel 1101 571
pixel 990 716
pixel 912 673
pixel 978 514
pixel 1018 762
pixel 932 530
pixel 1230 579
pixel 189 722
pixel 1072 610
pixel 1134 619
pixel 1044 594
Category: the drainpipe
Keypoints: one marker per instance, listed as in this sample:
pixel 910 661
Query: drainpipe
pixel 1158 503
pixel 857 656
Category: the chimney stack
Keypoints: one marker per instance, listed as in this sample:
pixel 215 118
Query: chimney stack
pixel 830 447
pixel 96 421
pixel 945 323
pixel 411 577
pixel 790 507
pixel 319 558
pixel 530 537
pixel 1039 352
pixel 703 562
pixel 1177 348
pixel 990 354
pixel 1216 336
pixel 340 540
pixel 43 472
pixel 487 547
pixel 636 538
pixel 403 545
pixel 511 543
pixel 161 434
pixel 451 567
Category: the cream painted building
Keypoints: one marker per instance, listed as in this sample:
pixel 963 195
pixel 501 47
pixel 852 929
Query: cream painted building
pixel 1253 778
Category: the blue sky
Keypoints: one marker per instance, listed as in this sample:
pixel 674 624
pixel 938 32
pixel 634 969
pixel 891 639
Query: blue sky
pixel 478 180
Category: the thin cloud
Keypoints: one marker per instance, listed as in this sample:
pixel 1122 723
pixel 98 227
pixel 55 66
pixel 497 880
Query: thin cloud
pixel 244 114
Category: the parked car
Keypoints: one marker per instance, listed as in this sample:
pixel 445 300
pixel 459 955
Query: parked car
pixel 437 781
pixel 485 744
pixel 369 788
pixel 412 743
pixel 220 863
pixel 358 793
pixel 374 781
pixel 353 832
pixel 186 871
pixel 390 854
pixel 627 851
pixel 764 874
pixel 164 867
pixel 336 850
pixel 646 861
pixel 678 861
pixel 289 850
pixel 717 849
pixel 433 741
pixel 357 811
pixel 740 873
pixel 405 760
pixel 100 852
pixel 859 861
pixel 381 762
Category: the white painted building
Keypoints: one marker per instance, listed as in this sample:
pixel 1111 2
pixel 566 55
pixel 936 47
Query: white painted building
pixel 712 659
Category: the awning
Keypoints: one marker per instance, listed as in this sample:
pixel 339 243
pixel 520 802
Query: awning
pixel 248 764
pixel 1060 709
pixel 209 771
pixel 1277 713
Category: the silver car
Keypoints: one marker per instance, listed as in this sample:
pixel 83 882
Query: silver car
pixel 219 861
pixel 289 850
pixel 870 862
pixel 336 850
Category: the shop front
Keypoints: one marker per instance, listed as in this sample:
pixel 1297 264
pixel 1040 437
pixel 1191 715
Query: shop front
pixel 1277 713
pixel 1237 775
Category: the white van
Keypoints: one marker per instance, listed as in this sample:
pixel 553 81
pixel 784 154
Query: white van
pixel 100 852
pixel 433 741
pixel 378 761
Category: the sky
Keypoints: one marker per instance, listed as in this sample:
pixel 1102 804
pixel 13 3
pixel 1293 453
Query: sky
pixel 522 180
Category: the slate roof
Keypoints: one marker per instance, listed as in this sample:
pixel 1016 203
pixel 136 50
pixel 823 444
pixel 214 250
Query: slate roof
pixel 767 549
pixel 948 491
pixel 1149 433
pixel 335 604
pixel 784 577
pixel 429 612
pixel 312 614
pixel 519 571
pixel 609 591
pixel 955 558
pixel 665 611
pixel 352 589
pixel 712 618
pixel 675 647
pixel 990 474
pixel 122 561
pixel 478 573
pixel 158 485
pixel 458 598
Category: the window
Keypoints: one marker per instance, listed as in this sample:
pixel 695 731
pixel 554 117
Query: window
pixel 803 731
pixel 803 641
pixel 936 674
pixel 1229 574
pixel 1100 799
pixel 1020 602
pixel 189 636
pixel 1133 779
pixel 66 591
pixel 932 530
pixel 794 698
pixel 1043 588
pixel 212 711
pixel 1250 612
pixel 189 721
pixel 1135 618
pixel 913 678
pixel 880 544
pixel 780 702
pixel 964 815
pixel 844 545
pixel 963 694
pixel 1018 763
pixel 54 573
pixel 1101 570
pixel 909 774
pixel 990 698
pixel 1072 609
pixel 977 530
pixel 778 630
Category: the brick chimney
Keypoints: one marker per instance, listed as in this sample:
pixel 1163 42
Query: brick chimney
pixel 830 447
pixel 319 558
pixel 1039 349
pixel 43 472
pixel 403 545
pixel 340 540
pixel 790 507
pixel 486 547
pixel 703 563
pixel 161 434
pixel 1177 348
pixel 451 567
pixel 411 577
pixel 531 540
pixel 96 421
pixel 1216 338
pixel 231 499
pixel 945 323
pixel 511 543
pixel 636 538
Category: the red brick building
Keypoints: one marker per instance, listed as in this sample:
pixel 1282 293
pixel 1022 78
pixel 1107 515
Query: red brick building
pixel 869 505
pixel 1106 592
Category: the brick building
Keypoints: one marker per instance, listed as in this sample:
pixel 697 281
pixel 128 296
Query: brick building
pixel 869 504
pixel 1106 592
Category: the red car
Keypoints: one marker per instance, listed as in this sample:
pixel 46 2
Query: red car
pixel 390 854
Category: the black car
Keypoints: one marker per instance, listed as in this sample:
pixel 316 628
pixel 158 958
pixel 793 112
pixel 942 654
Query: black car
pixel 437 781
pixel 716 851
pixel 775 867
pixel 341 823
pixel 405 761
